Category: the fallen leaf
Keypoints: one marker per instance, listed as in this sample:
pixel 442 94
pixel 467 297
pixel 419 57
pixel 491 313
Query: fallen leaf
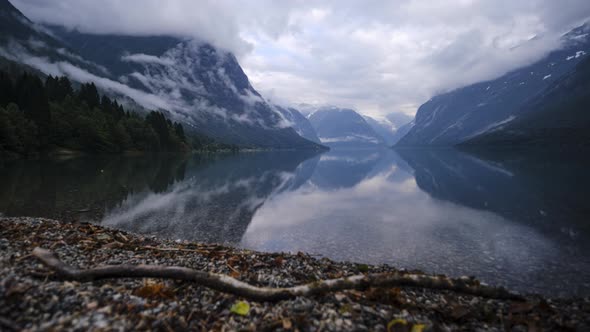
pixel 155 290
pixel 418 328
pixel 518 308
pixel 16 289
pixel 287 324
pixel 240 308
pixel 398 325
pixel 363 267
pixel 459 312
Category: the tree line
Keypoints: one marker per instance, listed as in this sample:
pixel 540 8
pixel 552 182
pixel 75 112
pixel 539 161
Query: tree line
pixel 39 116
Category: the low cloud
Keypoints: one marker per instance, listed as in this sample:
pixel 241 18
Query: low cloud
pixel 375 56
pixel 16 52
pixel 145 58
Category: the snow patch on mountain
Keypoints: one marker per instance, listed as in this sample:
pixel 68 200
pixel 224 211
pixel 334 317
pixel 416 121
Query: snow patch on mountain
pixel 493 126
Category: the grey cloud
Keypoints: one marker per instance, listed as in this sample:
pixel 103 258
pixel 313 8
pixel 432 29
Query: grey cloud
pixel 145 58
pixel 376 56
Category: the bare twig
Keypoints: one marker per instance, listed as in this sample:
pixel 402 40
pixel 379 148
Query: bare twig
pixel 201 251
pixel 230 285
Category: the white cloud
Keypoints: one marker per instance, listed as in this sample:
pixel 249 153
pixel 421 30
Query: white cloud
pixel 18 53
pixel 145 58
pixel 377 56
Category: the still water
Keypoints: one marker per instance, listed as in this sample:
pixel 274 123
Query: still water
pixel 509 218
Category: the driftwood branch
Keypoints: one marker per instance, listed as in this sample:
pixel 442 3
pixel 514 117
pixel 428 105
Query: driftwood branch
pixel 230 285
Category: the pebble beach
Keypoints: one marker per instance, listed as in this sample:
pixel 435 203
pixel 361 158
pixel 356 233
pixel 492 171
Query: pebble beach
pixel 33 298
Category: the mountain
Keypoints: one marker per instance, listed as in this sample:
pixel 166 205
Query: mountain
pixel 457 116
pixel 206 87
pixel 399 118
pixel 201 86
pixel 344 128
pixel 298 122
pixel 25 42
pixel 384 128
pixel 559 116
pixel 402 131
pixel 392 128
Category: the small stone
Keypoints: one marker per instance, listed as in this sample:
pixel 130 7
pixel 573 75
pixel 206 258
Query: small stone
pixel 103 237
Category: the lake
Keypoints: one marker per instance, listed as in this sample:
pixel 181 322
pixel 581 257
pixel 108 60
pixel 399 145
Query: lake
pixel 513 218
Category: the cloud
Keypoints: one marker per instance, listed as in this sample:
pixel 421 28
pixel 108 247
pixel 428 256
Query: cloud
pixel 377 56
pixel 62 68
pixel 398 119
pixel 145 58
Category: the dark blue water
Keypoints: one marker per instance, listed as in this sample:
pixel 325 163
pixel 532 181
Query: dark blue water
pixel 513 218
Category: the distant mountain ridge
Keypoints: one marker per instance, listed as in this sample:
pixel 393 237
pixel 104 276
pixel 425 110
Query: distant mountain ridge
pixel 298 122
pixel 344 128
pixel 465 113
pixel 392 128
pixel 202 87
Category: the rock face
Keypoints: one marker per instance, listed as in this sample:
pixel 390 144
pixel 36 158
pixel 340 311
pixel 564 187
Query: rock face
pixel 462 114
pixel 201 86
pixel 557 117
pixel 344 128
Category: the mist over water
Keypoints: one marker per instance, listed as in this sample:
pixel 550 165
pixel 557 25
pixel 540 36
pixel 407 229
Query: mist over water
pixel 513 219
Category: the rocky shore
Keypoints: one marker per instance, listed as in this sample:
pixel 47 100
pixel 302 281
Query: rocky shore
pixel 33 298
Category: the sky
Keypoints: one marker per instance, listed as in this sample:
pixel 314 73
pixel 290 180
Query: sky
pixel 376 56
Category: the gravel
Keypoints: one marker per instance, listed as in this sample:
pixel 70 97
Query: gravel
pixel 33 299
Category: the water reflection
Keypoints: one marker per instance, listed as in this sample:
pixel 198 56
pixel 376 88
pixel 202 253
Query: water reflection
pixel 82 188
pixel 443 211
pixel 217 200
pixel 518 219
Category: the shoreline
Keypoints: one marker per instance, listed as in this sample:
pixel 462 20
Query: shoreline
pixel 33 298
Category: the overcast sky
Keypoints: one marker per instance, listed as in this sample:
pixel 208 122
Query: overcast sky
pixel 377 56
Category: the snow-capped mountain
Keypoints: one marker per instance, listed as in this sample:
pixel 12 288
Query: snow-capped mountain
pixel 344 128
pixel 462 114
pixel 201 86
pixel 294 119
pixel 557 117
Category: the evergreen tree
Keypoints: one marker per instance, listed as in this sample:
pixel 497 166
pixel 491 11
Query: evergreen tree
pixel 58 88
pixel 160 126
pixel 32 99
pixel 89 94
pixel 7 94
pixel 36 115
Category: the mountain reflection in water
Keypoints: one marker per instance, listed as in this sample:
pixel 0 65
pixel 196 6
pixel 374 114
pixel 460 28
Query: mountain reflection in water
pixel 511 218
